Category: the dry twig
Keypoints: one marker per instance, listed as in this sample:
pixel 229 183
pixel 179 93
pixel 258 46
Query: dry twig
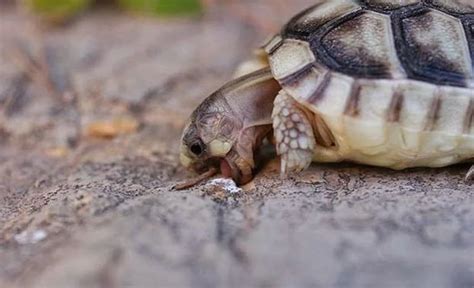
pixel 197 180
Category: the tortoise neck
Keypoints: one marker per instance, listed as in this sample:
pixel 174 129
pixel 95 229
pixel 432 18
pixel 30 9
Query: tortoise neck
pixel 251 97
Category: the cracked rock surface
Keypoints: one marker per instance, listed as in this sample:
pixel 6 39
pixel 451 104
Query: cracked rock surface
pixel 77 210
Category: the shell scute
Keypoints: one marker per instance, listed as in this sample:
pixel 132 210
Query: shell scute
pixel 418 99
pixel 389 4
pixel 333 96
pixel 315 17
pixel 454 6
pixel 370 105
pixel 310 85
pixel 291 57
pixel 272 44
pixel 366 130
pixel 363 46
pixel 435 48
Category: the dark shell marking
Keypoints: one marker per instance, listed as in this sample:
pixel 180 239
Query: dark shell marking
pixel 430 41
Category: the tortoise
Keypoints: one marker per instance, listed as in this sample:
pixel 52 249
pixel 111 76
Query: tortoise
pixel 376 82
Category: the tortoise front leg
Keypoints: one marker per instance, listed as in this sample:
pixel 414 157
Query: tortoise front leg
pixel 293 133
pixel 470 174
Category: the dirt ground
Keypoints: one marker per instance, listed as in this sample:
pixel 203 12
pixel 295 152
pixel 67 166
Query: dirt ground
pixel 79 210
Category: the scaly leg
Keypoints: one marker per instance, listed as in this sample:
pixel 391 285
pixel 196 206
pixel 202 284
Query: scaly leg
pixel 470 174
pixel 294 135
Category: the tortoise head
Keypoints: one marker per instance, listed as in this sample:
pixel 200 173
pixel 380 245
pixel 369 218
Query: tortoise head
pixel 210 138
pixel 227 128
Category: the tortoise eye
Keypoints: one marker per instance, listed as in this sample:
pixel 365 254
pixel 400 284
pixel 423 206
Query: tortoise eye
pixel 197 148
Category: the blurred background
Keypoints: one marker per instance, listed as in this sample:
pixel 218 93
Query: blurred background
pixel 82 68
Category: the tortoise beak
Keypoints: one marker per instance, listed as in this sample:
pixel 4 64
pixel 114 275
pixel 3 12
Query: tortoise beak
pixel 185 160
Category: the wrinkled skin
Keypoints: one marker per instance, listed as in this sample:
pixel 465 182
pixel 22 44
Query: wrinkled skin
pixel 226 130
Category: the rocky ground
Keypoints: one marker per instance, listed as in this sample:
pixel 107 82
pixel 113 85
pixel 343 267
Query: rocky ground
pixel 88 159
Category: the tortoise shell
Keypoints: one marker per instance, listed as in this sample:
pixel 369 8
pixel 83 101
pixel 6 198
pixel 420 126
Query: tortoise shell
pixel 380 62
pixel 430 41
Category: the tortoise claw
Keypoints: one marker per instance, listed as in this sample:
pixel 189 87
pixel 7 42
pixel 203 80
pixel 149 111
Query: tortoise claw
pixel 470 175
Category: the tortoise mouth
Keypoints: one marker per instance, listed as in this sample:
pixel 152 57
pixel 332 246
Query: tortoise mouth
pixel 226 169
pixel 241 170
pixel 230 169
pixel 231 166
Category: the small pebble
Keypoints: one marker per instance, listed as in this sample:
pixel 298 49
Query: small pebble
pixel 34 237
pixel 227 184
